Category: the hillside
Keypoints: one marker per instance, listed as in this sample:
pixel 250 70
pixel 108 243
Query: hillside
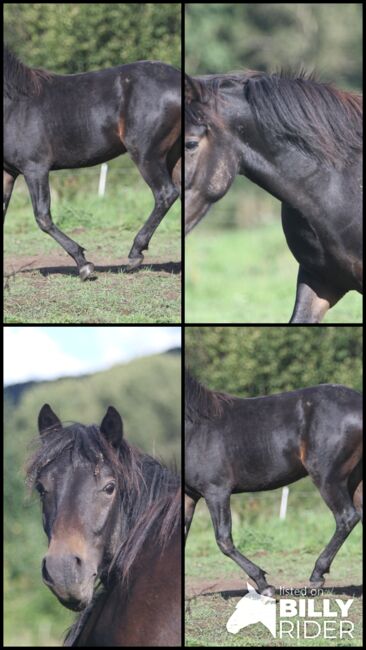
pixel 146 391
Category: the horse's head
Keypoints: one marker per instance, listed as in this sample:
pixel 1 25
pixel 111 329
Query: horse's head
pixel 211 159
pixel 74 473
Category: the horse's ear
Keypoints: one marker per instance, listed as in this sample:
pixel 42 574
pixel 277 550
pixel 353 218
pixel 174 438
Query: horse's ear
pixel 47 419
pixel 192 90
pixel 112 427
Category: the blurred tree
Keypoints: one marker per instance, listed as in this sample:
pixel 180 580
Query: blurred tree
pixel 268 36
pixel 251 361
pixel 69 38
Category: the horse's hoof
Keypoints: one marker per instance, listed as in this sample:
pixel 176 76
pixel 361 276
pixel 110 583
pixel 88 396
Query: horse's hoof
pixel 316 585
pixel 86 271
pixel 134 262
pixel 269 591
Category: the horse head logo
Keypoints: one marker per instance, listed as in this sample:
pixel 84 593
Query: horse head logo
pixel 253 608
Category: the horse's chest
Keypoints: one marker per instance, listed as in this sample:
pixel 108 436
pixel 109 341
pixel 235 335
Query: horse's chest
pixel 304 240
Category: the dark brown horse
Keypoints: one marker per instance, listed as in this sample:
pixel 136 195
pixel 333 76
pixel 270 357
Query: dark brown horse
pixel 301 141
pixel 112 517
pixel 235 445
pixel 56 121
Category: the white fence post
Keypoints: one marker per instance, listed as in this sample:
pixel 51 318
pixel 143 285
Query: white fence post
pixel 102 179
pixel 283 507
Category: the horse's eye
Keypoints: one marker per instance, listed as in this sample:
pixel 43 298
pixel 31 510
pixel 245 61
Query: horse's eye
pixel 109 489
pixel 191 144
pixel 40 489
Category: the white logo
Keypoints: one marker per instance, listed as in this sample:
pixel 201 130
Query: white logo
pixel 253 608
pixel 303 618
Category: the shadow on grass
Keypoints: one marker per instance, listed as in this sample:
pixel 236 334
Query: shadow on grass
pixel 354 591
pixel 174 268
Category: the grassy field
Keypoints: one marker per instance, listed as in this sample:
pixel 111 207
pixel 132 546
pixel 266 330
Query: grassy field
pixel 41 281
pixel 287 550
pixel 247 276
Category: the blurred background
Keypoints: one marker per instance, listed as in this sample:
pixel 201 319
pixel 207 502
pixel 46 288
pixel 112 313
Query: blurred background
pixel 252 361
pixel 76 37
pixel 242 237
pixel 80 372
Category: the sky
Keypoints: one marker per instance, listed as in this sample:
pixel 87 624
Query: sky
pixel 52 352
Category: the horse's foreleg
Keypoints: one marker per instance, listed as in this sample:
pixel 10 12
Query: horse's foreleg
pixel 218 503
pixel 40 194
pixel 313 299
pixel 8 184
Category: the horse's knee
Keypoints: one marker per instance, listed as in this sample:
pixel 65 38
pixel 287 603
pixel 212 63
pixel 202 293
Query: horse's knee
pixel 347 520
pixel 225 545
pixel 44 222
pixel 165 197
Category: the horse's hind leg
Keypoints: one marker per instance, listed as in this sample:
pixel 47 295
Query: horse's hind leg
pixel 40 194
pixel 157 176
pixel 218 503
pixel 177 175
pixel 357 499
pixel 355 487
pixel 313 299
pixel 338 499
pixel 189 508
pixel 8 184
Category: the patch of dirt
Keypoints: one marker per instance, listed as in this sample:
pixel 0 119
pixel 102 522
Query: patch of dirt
pixel 202 587
pixel 58 263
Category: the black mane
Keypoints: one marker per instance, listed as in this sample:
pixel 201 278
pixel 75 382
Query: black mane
pixel 318 118
pixel 19 79
pixel 201 402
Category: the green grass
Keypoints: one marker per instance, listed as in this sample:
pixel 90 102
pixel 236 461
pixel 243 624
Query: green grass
pixel 287 550
pixel 105 228
pixel 247 276
pixel 142 297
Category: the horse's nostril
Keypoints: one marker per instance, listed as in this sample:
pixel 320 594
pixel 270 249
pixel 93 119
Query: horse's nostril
pixel 78 560
pixel 45 575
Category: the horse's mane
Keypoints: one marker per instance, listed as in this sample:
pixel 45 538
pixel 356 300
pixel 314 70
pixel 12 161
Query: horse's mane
pixel 201 402
pixel 20 79
pixel 317 117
